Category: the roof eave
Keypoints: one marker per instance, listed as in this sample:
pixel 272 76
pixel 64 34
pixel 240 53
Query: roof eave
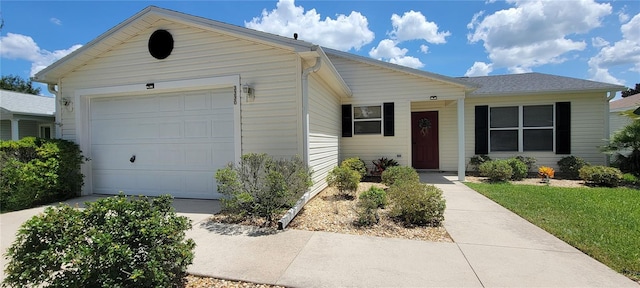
pixel 467 86
pixel 526 93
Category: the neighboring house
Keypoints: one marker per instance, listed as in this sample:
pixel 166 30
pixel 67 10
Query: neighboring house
pixel 23 115
pixel 164 99
pixel 618 121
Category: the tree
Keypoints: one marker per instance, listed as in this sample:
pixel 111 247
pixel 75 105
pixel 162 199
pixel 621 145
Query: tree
pixel 625 144
pixel 16 83
pixel 630 91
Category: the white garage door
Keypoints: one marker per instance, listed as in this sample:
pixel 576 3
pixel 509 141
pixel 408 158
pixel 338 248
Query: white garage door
pixel 162 144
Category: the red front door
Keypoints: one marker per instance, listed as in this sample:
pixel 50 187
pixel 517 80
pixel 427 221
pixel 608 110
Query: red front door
pixel 424 140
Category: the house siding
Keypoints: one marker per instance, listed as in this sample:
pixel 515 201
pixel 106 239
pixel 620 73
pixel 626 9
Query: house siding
pixel 270 124
pixel 617 121
pixel 372 85
pixel 587 125
pixel 5 129
pixel 324 132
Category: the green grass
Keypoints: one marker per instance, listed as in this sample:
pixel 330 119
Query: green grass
pixel 602 222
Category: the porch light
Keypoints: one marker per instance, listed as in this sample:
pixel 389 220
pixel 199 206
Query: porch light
pixel 248 91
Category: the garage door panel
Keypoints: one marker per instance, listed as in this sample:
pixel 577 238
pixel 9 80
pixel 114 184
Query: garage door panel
pixel 179 141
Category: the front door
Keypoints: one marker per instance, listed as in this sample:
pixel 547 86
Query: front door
pixel 424 140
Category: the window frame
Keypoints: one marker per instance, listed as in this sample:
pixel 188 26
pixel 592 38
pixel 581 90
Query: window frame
pixel 44 126
pixel 380 119
pixel 521 128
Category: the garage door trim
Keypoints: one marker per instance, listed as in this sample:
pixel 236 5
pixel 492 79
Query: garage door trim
pixel 83 98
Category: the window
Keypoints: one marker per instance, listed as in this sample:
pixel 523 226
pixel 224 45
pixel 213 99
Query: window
pixel 521 128
pixel 367 120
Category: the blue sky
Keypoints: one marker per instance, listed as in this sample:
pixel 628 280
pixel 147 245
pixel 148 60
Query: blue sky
pixel 596 40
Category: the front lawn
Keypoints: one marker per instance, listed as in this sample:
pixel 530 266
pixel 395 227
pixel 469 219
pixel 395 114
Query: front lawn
pixel 602 222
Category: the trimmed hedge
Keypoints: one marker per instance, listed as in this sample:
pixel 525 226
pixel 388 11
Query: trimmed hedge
pixel 416 203
pixel 601 175
pixel 355 164
pixel 399 173
pixel 496 170
pixel 38 171
pixel 570 166
pixel 114 242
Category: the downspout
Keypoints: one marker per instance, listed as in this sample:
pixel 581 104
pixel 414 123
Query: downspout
pixel 612 94
pixel 305 106
pixel 58 117
pixel 293 211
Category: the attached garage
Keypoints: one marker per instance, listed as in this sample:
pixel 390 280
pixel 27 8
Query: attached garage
pixel 163 143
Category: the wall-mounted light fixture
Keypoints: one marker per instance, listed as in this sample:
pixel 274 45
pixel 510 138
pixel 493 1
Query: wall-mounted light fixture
pixel 67 103
pixel 248 92
pixel 433 97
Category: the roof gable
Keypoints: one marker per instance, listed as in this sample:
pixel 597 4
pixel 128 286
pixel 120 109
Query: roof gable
pixel 28 104
pixel 147 18
pixel 530 83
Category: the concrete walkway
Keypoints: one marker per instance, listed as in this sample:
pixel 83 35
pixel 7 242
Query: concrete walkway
pixel 493 248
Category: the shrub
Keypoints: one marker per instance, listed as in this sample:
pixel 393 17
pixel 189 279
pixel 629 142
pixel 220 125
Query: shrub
pixel 262 186
pixel 344 179
pixel 630 179
pixel 518 168
pixel 496 170
pixel 382 164
pixel 416 203
pixel 529 161
pixel 375 194
pixel 570 166
pixel 601 175
pixel 114 242
pixel 477 160
pixel 367 212
pixel 355 164
pixel 38 171
pixel 399 173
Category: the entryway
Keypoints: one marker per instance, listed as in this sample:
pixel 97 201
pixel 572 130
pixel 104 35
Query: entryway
pixel 424 140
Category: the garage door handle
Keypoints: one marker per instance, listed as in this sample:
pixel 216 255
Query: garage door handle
pixel 132 159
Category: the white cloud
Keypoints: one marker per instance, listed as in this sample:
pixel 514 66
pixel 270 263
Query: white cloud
pixel 535 33
pixel 623 16
pixel 479 69
pixel 342 33
pixel 413 26
pixel 388 51
pixel 56 21
pixel 424 49
pixel 622 53
pixel 599 42
pixel 474 20
pixel 17 46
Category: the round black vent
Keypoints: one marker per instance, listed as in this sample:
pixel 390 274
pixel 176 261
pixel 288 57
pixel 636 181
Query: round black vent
pixel 160 44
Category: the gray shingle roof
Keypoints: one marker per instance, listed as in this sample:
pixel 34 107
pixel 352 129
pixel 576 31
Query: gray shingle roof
pixel 527 83
pixel 629 102
pixel 28 104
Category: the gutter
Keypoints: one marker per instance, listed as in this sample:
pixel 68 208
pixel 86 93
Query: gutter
pixel 58 114
pixel 286 219
pixel 607 131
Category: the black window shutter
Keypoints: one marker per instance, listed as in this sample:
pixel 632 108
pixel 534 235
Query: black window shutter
pixel 563 127
pixel 388 119
pixel 482 130
pixel 346 121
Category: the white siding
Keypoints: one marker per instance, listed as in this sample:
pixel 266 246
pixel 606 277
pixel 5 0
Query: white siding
pixel 324 132
pixel 5 129
pixel 617 121
pixel 587 125
pixel 373 85
pixel 271 124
